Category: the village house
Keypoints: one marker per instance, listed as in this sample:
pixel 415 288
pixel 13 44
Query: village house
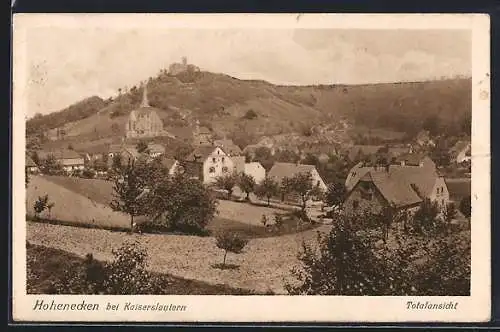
pixel 30 166
pixel 280 171
pixel 144 121
pixel 402 186
pixel 461 152
pixel 68 159
pixel 255 170
pixel 127 153
pixel 214 163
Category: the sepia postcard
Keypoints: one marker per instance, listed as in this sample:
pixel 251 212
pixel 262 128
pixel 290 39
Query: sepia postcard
pixel 251 168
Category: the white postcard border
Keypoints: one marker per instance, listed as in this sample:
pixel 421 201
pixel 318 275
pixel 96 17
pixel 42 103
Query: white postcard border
pixel 476 307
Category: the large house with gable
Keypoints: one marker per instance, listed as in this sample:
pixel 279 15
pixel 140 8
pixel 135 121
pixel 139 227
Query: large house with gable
pixel 213 162
pixel 403 185
pixel 69 160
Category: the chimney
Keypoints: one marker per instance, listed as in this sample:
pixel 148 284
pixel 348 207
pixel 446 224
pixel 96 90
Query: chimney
pixel 145 101
pixel 184 61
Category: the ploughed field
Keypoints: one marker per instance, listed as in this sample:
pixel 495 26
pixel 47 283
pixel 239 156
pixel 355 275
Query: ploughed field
pixel 46 265
pixel 262 267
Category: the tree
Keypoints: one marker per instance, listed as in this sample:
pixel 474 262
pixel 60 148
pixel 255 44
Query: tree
pixel 182 152
pixel 267 189
pixel 465 206
pixel 180 204
pixel 302 185
pixel 449 212
pixel 128 193
pixel 335 194
pixel 227 182
pixel 116 162
pixel 262 153
pixel 230 242
pixel 41 204
pixel 432 123
pixel 349 260
pixel 426 215
pixel 246 184
pixel 344 263
pixel 51 166
pixel 142 147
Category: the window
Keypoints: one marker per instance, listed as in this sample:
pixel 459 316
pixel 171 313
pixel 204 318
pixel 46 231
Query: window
pixel 355 204
pixel 224 169
pixel 211 170
pixel 213 160
pixel 366 195
pixel 222 159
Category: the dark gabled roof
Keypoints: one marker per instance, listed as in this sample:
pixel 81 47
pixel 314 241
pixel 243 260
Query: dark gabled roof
pixel 228 146
pixel 201 152
pixel 59 154
pixel 395 191
pixel 411 158
pixel 156 148
pixel 400 185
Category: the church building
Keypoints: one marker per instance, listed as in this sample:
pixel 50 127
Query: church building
pixel 144 121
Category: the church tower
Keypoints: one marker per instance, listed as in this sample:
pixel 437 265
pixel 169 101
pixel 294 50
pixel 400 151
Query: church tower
pixel 145 101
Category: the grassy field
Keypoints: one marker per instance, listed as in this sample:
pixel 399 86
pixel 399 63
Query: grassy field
pixel 45 266
pixel 86 202
pixel 99 191
pixel 262 267
pixel 71 206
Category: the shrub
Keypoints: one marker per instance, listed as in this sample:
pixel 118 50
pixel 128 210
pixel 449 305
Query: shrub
pixel 250 115
pixel 88 173
pixel 263 220
pixel 42 204
pixel 230 242
pixel 465 206
pixel 127 274
pixel 278 220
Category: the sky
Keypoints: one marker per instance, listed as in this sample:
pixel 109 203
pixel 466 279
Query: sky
pixel 67 65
